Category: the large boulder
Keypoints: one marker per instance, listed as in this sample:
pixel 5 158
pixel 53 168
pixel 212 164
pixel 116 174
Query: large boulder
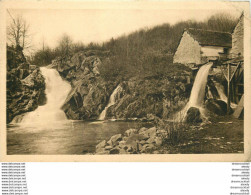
pixel 193 115
pixel 150 133
pixel 133 144
pixel 100 148
pixel 101 144
pixel 130 132
pixel 217 107
pixel 115 139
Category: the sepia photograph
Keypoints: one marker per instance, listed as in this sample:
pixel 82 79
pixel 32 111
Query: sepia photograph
pixel 125 80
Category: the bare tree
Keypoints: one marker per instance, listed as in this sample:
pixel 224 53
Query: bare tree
pixel 18 32
pixel 65 45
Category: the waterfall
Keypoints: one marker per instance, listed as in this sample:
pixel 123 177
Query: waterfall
pixel 220 90
pixel 223 97
pixel 198 91
pixel 56 90
pixel 112 101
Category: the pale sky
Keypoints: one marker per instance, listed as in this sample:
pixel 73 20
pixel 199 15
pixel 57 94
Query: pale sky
pixel 98 25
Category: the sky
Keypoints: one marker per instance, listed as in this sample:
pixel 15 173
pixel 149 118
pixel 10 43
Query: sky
pixel 99 25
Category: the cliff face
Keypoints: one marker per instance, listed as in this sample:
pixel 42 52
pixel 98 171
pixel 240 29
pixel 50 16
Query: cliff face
pixel 25 85
pixel 139 96
pixel 90 93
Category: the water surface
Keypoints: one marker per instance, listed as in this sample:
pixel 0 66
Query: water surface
pixel 70 137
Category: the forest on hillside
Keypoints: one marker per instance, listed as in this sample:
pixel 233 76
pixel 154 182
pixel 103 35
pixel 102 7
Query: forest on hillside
pixel 145 52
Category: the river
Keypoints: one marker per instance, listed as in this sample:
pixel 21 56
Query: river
pixel 70 137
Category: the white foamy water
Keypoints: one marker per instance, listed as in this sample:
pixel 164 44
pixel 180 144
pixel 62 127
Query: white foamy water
pixel 111 102
pixel 56 91
pixel 198 91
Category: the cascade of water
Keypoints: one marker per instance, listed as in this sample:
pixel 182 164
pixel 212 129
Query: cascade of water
pixel 111 102
pixel 56 91
pixel 198 91
pixel 223 97
pixel 220 90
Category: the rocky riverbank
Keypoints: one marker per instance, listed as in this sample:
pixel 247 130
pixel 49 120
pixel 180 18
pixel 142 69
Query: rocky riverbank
pixel 25 85
pixel 222 134
pixel 134 141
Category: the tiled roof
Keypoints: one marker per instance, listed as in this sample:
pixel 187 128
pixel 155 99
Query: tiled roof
pixel 210 38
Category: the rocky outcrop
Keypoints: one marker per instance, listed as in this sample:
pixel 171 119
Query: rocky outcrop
pixel 217 107
pixel 25 86
pixel 193 115
pixel 133 141
pixel 90 93
pixel 161 97
pixel 138 96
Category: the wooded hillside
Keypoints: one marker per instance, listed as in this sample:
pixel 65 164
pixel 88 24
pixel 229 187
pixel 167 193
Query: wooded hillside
pixel 146 52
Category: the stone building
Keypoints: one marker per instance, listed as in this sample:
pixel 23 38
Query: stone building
pixel 197 46
pixel 238 38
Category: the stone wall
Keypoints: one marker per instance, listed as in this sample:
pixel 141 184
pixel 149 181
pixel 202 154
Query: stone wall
pixel 188 51
pixel 237 39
